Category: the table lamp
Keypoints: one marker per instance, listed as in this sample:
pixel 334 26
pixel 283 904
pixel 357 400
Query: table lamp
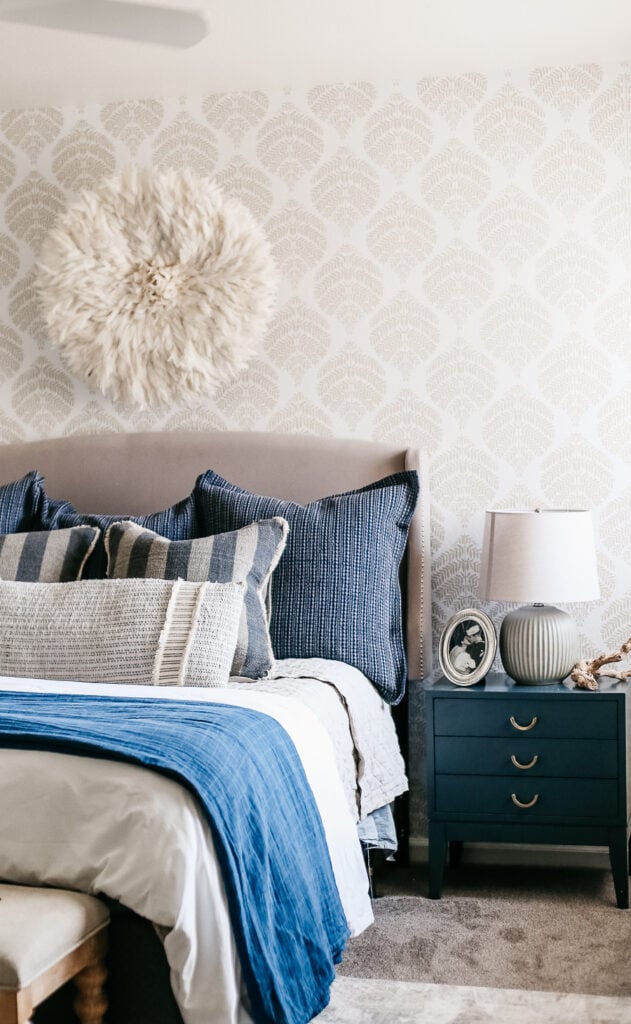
pixel 539 556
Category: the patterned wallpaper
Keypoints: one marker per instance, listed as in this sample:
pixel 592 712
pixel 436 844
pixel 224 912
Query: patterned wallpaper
pixel 455 257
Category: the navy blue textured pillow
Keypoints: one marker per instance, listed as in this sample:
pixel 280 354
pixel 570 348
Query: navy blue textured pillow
pixel 21 504
pixel 179 522
pixel 335 591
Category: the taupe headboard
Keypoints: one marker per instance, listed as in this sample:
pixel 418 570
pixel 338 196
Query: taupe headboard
pixel 135 473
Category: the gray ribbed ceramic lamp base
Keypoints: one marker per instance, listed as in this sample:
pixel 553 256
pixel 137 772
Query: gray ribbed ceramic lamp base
pixel 538 644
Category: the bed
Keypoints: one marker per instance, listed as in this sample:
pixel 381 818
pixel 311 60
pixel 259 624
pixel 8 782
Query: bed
pixel 340 726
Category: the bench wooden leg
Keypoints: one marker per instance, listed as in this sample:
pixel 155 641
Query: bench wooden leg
pixel 91 1003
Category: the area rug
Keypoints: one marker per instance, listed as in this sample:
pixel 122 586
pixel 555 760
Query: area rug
pixel 359 1001
pixel 544 930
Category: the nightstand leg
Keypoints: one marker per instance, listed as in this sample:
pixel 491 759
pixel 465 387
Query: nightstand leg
pixel 455 853
pixel 619 859
pixel 437 854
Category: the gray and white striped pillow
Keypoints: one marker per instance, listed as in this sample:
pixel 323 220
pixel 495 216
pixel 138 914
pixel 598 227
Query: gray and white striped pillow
pixel 249 555
pixel 46 556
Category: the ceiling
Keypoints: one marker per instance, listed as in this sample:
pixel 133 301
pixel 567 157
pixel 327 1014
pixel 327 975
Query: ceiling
pixel 269 44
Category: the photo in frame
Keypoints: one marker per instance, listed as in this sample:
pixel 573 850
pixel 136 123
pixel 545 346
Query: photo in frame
pixel 467 647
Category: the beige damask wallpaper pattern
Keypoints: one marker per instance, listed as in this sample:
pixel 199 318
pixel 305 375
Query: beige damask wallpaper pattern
pixel 455 257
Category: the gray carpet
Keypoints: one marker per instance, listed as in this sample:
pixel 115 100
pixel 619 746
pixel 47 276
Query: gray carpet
pixel 539 929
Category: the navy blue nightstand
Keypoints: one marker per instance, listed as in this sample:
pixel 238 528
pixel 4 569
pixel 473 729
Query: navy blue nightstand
pixel 528 764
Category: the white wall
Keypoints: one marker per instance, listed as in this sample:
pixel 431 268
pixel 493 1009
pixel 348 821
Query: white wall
pixel 454 255
pixel 270 44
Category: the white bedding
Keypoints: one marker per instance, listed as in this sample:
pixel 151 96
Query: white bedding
pixel 349 707
pixel 77 822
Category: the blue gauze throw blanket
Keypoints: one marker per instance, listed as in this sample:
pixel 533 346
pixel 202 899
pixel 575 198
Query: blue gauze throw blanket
pixel 285 909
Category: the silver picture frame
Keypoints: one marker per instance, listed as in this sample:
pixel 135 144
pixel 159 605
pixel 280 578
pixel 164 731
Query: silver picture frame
pixel 468 644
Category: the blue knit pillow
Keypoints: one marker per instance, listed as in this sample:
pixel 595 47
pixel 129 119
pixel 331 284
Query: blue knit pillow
pixel 176 523
pixel 21 503
pixel 335 591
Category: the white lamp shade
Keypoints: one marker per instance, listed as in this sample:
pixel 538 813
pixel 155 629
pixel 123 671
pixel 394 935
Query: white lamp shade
pixel 544 556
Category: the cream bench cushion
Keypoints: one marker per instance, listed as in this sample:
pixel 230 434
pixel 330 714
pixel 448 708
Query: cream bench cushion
pixel 47 937
pixel 39 927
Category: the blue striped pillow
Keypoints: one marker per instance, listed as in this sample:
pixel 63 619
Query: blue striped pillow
pixel 44 556
pixel 335 593
pixel 249 555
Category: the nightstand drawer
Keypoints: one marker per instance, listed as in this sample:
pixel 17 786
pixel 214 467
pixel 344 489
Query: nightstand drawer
pixel 463 755
pixel 557 798
pixel 533 717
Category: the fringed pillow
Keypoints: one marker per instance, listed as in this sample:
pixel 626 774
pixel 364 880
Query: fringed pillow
pixel 121 631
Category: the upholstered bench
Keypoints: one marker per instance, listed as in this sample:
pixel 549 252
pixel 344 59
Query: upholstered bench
pixel 48 936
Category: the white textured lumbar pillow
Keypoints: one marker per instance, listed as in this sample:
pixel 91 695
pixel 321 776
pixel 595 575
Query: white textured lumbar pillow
pixel 161 632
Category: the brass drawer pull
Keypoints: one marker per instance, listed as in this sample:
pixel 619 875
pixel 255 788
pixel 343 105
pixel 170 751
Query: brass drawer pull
pixel 518 803
pixel 524 766
pixel 523 728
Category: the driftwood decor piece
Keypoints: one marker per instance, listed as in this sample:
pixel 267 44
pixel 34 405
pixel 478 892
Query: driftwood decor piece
pixel 585 673
pixel 156 287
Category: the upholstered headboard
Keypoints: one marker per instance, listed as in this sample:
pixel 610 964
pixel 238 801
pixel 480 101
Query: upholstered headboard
pixel 136 473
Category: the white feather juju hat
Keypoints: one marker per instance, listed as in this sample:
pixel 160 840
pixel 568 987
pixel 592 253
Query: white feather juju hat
pixel 156 288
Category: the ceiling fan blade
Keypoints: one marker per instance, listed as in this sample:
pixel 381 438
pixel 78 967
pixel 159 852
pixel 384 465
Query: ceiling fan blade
pixel 146 23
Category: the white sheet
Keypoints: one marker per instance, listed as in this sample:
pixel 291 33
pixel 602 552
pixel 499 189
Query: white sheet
pixel 138 837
